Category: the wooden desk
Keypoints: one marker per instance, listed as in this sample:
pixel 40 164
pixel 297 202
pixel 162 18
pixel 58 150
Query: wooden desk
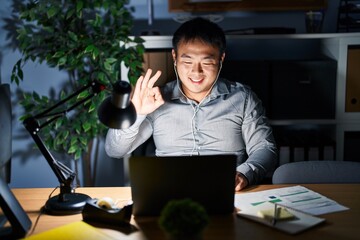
pixel 340 225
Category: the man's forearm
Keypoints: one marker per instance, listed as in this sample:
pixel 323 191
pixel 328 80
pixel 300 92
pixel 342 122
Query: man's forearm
pixel 258 165
pixel 120 142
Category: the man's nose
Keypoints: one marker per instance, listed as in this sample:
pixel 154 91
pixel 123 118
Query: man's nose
pixel 197 68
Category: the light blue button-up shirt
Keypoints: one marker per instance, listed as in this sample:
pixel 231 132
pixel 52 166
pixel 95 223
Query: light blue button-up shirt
pixel 230 120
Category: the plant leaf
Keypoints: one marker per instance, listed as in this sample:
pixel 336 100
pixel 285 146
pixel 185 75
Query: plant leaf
pixel 110 60
pixel 52 11
pixel 86 126
pixel 79 6
pixel 72 149
pixel 89 49
pixel 62 61
pixel 73 36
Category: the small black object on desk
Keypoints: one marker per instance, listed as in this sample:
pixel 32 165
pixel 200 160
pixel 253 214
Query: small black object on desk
pixel 115 216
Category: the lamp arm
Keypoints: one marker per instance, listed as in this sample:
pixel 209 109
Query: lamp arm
pixel 64 174
pixel 96 88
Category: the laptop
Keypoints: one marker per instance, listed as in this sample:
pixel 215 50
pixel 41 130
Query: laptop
pixel 208 180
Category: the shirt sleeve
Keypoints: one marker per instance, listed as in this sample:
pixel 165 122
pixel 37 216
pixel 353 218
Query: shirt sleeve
pixel 120 142
pixel 259 140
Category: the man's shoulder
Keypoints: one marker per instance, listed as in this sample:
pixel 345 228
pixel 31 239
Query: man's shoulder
pixel 233 86
pixel 170 90
pixel 169 86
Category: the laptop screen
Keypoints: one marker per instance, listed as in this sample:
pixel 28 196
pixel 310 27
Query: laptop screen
pixel 208 180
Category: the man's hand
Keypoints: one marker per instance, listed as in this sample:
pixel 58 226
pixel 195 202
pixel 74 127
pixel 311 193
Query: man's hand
pixel 240 181
pixel 146 97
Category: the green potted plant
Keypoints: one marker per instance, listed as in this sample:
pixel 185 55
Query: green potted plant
pixel 183 219
pixel 89 39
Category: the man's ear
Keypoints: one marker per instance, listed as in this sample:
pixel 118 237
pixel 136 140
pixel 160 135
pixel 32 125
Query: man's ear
pixel 222 58
pixel 173 55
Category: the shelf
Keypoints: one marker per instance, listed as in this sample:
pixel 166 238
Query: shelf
pixel 253 5
pixel 350 8
pixel 349 21
pixel 348 15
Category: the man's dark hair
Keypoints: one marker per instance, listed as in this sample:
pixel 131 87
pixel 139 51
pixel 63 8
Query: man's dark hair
pixel 200 29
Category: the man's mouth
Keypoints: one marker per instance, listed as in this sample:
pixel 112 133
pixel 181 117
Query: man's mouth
pixel 196 80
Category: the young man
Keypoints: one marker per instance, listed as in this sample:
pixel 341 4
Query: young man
pixel 199 114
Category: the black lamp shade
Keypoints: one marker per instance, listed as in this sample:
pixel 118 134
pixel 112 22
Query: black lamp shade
pixel 117 111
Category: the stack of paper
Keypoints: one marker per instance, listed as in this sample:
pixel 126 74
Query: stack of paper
pixel 298 201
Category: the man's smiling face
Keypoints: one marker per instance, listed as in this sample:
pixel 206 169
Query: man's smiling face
pixel 197 64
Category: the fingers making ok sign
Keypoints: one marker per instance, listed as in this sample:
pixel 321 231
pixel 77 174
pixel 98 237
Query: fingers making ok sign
pixel 146 97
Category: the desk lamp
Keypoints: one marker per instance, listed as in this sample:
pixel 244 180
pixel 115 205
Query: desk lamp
pixel 116 111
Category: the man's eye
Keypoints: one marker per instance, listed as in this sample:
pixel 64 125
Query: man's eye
pixel 208 63
pixel 188 63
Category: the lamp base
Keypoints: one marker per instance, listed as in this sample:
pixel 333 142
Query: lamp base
pixel 72 203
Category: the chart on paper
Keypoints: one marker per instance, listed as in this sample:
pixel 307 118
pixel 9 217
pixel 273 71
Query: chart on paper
pixel 296 197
